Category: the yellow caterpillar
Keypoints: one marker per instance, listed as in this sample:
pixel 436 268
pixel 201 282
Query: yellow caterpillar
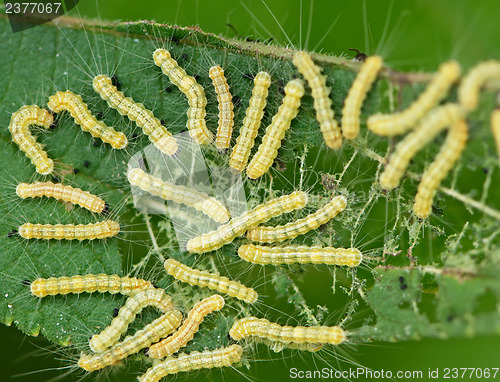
pixel 275 132
pixel 192 90
pixel 251 122
pixel 226 114
pixel 158 134
pixel 190 326
pixel 208 359
pixel 259 254
pixel 61 192
pixel 301 226
pixel 18 127
pixel 212 281
pixel 237 226
pixel 92 231
pixel 88 283
pixel 179 194
pixel 78 109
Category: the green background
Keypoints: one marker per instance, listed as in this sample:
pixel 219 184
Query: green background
pixel 419 35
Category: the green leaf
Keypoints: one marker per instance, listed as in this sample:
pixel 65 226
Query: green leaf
pixel 448 264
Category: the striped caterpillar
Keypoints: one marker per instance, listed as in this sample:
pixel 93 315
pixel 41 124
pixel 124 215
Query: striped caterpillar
pixel 92 231
pixel 468 91
pixel 260 327
pixel 437 89
pixel 259 254
pixel 321 95
pixel 237 226
pixel 88 283
pixel 81 114
pixel 212 281
pixel 450 152
pixel 275 132
pixel 301 226
pixel 426 130
pixel 151 333
pixel 134 305
pixel 226 114
pixel 158 134
pixel 189 327
pixel 179 194
pixel 18 127
pixel 251 122
pixel 61 192
pixel 208 359
pixel 357 94
pixel 192 90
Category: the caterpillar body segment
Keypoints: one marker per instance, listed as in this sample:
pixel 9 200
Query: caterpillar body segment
pixel 209 280
pixel 192 90
pixel 437 89
pixel 133 306
pixel 20 121
pixel 61 192
pixel 151 333
pixel 278 346
pixel 357 94
pixel 321 95
pixel 237 226
pixel 226 114
pixel 495 129
pixel 179 194
pixel 158 134
pixel 208 359
pixel 74 104
pixel 88 283
pixel 433 175
pixel 251 122
pixel 259 254
pixel 426 130
pixel 301 226
pixel 189 327
pixel 275 132
pixel 260 327
pixel 474 80
pixel 92 231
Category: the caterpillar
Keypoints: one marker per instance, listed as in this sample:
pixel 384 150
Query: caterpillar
pixel 61 192
pixel 189 327
pixel 179 194
pixel 212 281
pixel 495 129
pixel 158 134
pixel 237 226
pixel 260 327
pixel 357 94
pixel 88 283
pixel 208 359
pixel 437 89
pixel 92 231
pixel 271 142
pixel 151 333
pixel 74 104
pixel 226 114
pixel 301 226
pixel 192 90
pixel 450 152
pixel 138 301
pixel 476 77
pixel 321 95
pixel 18 127
pixel 427 129
pixel 251 122
pixel 259 254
